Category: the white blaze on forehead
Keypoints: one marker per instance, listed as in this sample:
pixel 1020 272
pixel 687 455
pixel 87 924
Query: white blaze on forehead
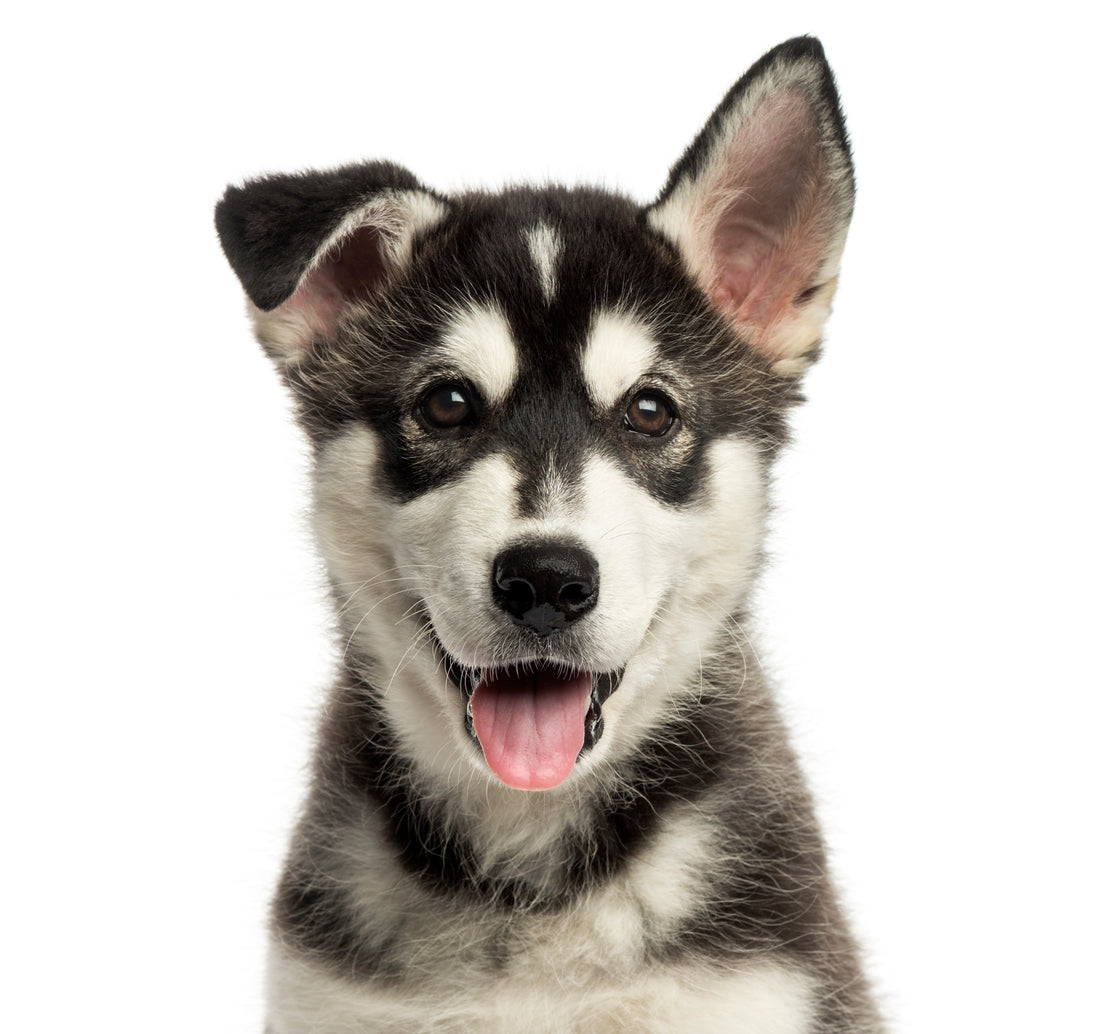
pixel 545 246
pixel 479 342
pixel 620 351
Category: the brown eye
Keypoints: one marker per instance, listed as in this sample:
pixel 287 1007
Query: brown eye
pixel 447 405
pixel 649 413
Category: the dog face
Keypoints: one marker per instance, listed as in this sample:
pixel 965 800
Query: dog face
pixel 543 420
pixel 526 527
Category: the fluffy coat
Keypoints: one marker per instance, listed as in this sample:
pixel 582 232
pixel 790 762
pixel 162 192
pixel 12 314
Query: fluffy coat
pixel 552 792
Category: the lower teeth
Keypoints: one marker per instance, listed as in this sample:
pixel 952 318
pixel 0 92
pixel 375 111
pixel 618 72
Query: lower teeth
pixel 593 724
pixel 470 717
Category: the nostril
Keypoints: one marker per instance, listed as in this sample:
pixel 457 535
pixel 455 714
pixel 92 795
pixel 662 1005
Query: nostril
pixel 515 595
pixel 575 593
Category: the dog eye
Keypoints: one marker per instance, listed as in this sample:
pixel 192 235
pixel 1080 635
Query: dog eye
pixel 649 413
pixel 447 405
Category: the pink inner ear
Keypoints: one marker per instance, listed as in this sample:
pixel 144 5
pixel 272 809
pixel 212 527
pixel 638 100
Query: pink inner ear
pixel 761 278
pixel 740 252
pixel 351 272
pixel 768 213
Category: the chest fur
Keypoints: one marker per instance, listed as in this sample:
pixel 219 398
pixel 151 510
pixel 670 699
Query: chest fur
pixel 754 997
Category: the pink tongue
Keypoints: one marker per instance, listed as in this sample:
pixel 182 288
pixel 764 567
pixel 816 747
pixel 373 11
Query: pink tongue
pixel 531 727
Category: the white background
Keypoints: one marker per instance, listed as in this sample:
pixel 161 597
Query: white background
pixel 931 612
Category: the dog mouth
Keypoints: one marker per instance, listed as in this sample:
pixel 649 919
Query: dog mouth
pixel 533 721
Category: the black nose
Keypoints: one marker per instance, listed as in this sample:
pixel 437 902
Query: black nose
pixel 545 585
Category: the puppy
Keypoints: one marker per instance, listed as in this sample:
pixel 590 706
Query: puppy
pixel 552 792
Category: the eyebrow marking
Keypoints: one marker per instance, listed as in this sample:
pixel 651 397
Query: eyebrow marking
pixel 479 342
pixel 619 352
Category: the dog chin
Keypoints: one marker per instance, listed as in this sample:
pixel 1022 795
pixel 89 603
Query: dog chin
pixel 532 719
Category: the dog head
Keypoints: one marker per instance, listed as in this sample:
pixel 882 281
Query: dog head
pixel 542 419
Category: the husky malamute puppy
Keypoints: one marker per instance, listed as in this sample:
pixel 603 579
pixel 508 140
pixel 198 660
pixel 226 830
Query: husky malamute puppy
pixel 552 793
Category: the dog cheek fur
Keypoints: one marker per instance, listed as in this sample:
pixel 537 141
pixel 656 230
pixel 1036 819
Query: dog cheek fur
pixel 709 554
pixel 351 520
pixel 378 600
pixel 380 587
pixel 445 543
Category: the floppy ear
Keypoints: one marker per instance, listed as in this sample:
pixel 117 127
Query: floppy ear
pixel 759 204
pixel 309 245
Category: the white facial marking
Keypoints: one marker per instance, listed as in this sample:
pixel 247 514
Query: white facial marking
pixel 619 352
pixel 695 569
pixel 545 246
pixel 480 343
pixel 448 538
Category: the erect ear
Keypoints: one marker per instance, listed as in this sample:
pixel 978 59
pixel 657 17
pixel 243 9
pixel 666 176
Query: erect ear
pixel 759 204
pixel 307 246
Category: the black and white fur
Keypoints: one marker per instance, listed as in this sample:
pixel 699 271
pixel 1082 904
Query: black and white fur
pixel 542 424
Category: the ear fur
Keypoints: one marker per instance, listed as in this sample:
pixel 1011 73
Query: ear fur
pixel 309 245
pixel 759 204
